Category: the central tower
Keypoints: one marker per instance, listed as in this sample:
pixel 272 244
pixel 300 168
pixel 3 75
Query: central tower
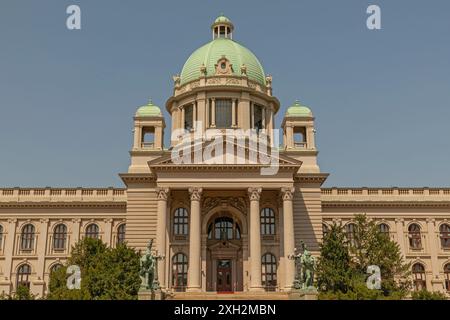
pixel 222 86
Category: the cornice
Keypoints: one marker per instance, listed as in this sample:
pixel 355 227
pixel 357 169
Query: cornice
pixel 311 177
pixel 64 205
pixel 384 204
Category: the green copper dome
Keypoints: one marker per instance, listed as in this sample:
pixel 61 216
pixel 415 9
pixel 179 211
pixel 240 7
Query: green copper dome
pixel 149 110
pixel 297 110
pixel 222 46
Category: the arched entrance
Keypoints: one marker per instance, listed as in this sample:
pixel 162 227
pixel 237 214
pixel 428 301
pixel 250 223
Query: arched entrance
pixel 225 236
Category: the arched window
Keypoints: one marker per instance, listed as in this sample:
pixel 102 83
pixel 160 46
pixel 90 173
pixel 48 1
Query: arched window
pixel 418 271
pixel 23 274
pixel 55 267
pixel 1 237
pixel 350 230
pixel 59 237
pixel 27 237
pixel 267 221
pixel 92 231
pixel 444 230
pixel 415 238
pixel 384 228
pixel 121 233
pixel 180 222
pixel 269 272
pixel 179 272
pixel 224 228
pixel 325 230
pixel 447 276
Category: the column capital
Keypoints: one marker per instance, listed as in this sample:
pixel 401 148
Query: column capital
pixel 196 193
pixel 254 194
pixel 162 193
pixel 287 193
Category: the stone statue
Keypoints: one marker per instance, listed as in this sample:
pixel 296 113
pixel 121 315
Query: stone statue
pixel 147 272
pixel 308 265
pixel 298 278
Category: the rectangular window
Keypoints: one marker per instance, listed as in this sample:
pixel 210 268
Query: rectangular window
pixel 223 113
pixel 257 117
pixel 189 117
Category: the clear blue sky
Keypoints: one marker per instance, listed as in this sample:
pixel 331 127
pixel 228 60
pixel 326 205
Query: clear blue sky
pixel 381 98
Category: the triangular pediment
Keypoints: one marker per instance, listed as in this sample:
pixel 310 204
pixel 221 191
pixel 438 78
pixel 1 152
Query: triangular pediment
pixel 223 154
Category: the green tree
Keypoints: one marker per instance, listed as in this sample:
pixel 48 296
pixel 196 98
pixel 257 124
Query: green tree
pixel 427 295
pixel 22 293
pixel 342 266
pixel 106 273
pixel 333 267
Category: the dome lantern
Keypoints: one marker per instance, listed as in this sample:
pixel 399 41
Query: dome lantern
pixel 222 28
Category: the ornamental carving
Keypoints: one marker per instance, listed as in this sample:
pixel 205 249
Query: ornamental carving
pixel 254 194
pixel 287 194
pixel 196 193
pixel 238 203
pixel 233 81
pixel 223 66
pixel 213 81
pixel 162 193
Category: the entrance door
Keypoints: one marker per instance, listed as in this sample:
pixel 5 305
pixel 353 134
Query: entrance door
pixel 224 276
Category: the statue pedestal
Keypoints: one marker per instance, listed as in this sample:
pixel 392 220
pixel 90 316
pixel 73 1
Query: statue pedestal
pixel 303 294
pixel 149 295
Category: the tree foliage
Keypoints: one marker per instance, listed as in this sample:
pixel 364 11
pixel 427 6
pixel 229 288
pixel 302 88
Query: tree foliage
pixel 106 273
pixel 342 266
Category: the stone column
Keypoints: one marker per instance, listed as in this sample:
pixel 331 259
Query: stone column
pixel 182 118
pixel 288 236
pixel 433 245
pixel 194 267
pixel 255 240
pixel 161 222
pixel 213 112
pixel 107 236
pixel 42 252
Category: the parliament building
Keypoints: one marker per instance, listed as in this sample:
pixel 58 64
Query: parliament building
pixel 220 226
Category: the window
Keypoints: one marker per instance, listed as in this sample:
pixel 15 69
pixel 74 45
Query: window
pixel 224 228
pixel 1 237
pixel 27 237
pixel 189 117
pixel 418 271
pixel 223 113
pixel 267 221
pixel 350 230
pixel 23 274
pixel 384 228
pixel 180 222
pixel 447 276
pixel 299 137
pixel 121 234
pixel 148 137
pixel 445 236
pixel 269 271
pixel 179 271
pixel 258 118
pixel 325 230
pixel 59 237
pixel 92 231
pixel 415 238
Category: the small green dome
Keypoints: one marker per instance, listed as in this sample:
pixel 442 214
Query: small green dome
pixel 297 110
pixel 149 110
pixel 222 18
